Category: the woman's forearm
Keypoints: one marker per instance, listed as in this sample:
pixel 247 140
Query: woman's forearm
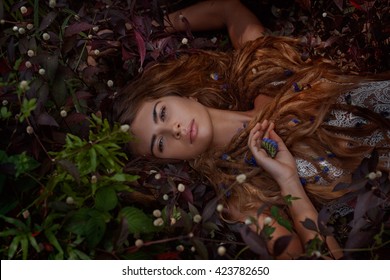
pixel 241 23
pixel 302 209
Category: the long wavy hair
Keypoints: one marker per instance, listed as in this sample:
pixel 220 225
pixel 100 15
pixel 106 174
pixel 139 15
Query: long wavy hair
pixel 301 90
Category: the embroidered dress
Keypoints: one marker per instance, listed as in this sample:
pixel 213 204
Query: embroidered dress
pixel 374 96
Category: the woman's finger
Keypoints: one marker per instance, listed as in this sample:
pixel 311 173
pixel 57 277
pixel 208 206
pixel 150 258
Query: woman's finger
pixel 274 136
pixel 271 126
pixel 255 129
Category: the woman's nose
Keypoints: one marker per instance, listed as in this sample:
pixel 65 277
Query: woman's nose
pixel 176 131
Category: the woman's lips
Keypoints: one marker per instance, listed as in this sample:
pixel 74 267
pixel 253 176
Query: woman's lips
pixel 193 131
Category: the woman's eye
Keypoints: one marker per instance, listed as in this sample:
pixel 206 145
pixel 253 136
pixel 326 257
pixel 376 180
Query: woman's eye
pixel 163 113
pixel 161 145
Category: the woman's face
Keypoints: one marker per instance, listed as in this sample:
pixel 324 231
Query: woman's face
pixel 172 127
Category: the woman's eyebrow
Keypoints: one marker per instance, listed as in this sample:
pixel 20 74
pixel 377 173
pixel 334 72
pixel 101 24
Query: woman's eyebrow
pixel 154 114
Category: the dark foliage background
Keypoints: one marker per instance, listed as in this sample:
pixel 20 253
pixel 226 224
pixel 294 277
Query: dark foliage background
pixel 67 190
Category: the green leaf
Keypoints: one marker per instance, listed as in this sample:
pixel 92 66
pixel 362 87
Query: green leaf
pixel 17 64
pixel 28 105
pixel 289 199
pixel 75 254
pixel 97 120
pixel 17 223
pixel 34 243
pixel 200 248
pixel 101 150
pixel 92 155
pixel 122 187
pixel 71 253
pixel 13 246
pixel 53 241
pixel 268 231
pixel 280 219
pixel 121 177
pixel 274 211
pixel 137 220
pixel 9 232
pixel 89 223
pixel 23 163
pixel 76 223
pixel 106 199
pixel 4 113
pixel 94 230
pixel 81 255
pixel 24 245
pixel 285 223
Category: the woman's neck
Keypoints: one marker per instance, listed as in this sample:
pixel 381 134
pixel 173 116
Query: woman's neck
pixel 226 124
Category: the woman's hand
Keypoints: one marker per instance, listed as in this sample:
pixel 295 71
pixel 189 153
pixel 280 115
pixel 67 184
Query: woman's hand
pixel 282 167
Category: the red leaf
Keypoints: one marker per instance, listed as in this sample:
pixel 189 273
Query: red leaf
pixel 76 118
pixel 90 73
pixel 23 45
pixel 305 4
pixel 71 168
pixel 122 233
pixel 47 20
pixel 209 209
pixel 45 119
pixel 330 41
pixel 281 244
pixel 141 46
pixel 187 196
pixel 126 55
pixel 76 28
pixel 339 4
pixel 356 5
pixel 255 242
pixel 4 66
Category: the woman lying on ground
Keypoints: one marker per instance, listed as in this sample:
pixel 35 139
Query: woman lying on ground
pixel 292 127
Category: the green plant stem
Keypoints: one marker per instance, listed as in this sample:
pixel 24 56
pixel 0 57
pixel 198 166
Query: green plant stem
pixel 367 249
pixel 241 251
pixel 149 243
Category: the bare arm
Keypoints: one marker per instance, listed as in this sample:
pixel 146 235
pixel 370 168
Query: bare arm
pixel 242 24
pixel 283 169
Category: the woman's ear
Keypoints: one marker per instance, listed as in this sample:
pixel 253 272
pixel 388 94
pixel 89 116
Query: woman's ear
pixel 193 98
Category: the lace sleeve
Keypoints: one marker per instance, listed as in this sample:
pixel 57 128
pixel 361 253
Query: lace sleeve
pixel 374 96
